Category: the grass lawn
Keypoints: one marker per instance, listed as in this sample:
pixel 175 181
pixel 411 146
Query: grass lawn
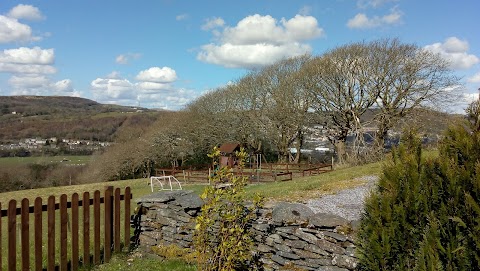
pixel 304 188
pixel 124 263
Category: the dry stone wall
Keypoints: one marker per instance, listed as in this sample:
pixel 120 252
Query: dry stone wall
pixel 286 234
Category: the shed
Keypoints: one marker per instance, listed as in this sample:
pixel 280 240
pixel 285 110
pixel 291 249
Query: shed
pixel 227 154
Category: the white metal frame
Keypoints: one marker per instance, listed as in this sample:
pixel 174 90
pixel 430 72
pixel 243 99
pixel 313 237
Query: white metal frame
pixel 160 180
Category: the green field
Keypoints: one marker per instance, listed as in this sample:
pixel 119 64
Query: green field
pixel 45 159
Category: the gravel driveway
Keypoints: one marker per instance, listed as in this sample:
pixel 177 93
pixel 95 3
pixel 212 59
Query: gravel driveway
pixel 347 203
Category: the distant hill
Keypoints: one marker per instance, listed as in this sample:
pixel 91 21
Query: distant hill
pixel 45 105
pixel 425 121
pixel 66 117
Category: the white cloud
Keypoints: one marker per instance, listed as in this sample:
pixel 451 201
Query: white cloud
pixel 62 86
pixel 181 17
pixel 12 31
pixel 106 89
pixel 22 82
pixel 30 69
pixel 24 55
pixel 173 100
pixel 157 75
pixel 259 29
pixel 261 40
pixel 474 79
pixel 27 60
pixel 27 12
pixel 121 59
pixel 126 58
pixel 373 3
pixel 455 45
pixel 455 51
pixel 362 21
pixel 153 87
pixel 463 102
pixel 249 56
pixel 212 23
pixel 305 10
pixel 470 97
pixel 114 75
pixel 41 85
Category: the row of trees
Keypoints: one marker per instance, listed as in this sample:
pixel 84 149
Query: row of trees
pixel 278 104
pixel 273 109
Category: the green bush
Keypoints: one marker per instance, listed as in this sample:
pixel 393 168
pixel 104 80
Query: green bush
pixel 222 239
pixel 425 214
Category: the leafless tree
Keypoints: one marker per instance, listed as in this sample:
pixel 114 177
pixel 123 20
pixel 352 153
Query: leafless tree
pixel 406 77
pixel 339 83
pixel 284 104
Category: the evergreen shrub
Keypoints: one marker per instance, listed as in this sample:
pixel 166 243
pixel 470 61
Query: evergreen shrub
pixel 425 214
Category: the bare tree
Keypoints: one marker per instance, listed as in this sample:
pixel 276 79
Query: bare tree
pixel 284 104
pixel 406 77
pixel 338 81
pixel 248 115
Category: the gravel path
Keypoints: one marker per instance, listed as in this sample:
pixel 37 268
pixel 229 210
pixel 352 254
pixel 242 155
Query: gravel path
pixel 347 203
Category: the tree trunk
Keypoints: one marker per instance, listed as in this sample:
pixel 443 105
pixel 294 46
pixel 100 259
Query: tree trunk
pixel 381 135
pixel 340 149
pixel 298 146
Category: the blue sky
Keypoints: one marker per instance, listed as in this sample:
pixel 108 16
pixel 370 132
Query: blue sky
pixel 165 53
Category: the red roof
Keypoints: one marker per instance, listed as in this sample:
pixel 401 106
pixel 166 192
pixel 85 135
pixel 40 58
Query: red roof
pixel 229 148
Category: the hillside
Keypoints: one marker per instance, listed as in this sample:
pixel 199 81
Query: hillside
pixel 66 117
pixel 425 121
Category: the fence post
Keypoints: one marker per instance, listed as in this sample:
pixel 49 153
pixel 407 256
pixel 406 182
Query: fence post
pixel 128 195
pixel 75 243
pixel 86 228
pixel 12 235
pixel 25 214
pixel 96 227
pixel 108 223
pixel 51 233
pixel 116 230
pixel 38 233
pixel 63 232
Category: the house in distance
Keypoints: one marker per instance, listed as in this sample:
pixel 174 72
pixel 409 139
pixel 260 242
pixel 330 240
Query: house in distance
pixel 227 154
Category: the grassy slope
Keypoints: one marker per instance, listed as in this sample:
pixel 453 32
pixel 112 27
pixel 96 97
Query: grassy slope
pixel 298 189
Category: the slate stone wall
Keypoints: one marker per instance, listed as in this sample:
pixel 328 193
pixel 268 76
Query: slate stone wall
pixel 286 234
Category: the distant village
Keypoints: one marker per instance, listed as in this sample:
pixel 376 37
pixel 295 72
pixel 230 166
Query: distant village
pixel 27 146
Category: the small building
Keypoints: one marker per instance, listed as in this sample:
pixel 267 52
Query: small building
pixel 227 154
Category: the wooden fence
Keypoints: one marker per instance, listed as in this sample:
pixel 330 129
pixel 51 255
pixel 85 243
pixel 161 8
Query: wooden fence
pixel 111 231
pixel 318 169
pixel 267 172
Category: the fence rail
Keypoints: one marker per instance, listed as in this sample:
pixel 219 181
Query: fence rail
pixel 272 172
pixel 111 233
pixel 318 169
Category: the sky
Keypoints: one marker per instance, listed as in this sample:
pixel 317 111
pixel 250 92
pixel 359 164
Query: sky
pixel 165 53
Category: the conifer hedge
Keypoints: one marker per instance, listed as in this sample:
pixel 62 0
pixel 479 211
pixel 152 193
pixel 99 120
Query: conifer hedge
pixel 425 214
